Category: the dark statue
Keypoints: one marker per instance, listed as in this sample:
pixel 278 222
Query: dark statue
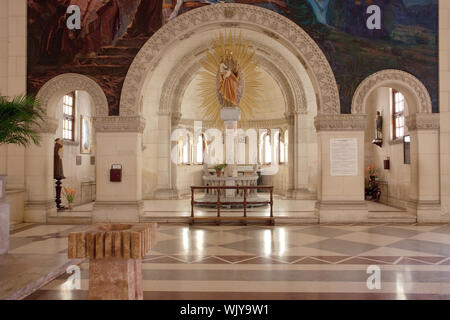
pixel 378 130
pixel 58 173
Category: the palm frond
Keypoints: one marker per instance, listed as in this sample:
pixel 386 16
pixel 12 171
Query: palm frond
pixel 19 117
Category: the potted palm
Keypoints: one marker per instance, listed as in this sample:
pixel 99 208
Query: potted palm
pixel 19 117
pixel 219 168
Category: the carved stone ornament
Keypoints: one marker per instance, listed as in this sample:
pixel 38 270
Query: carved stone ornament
pixel 340 122
pixel 246 15
pixel 47 125
pixel 68 82
pixel 119 124
pixel 385 78
pixel 423 121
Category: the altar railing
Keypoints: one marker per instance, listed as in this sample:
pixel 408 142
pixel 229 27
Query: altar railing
pixel 218 203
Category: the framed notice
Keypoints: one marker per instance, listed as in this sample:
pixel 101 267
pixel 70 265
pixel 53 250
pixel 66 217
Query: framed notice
pixel 343 157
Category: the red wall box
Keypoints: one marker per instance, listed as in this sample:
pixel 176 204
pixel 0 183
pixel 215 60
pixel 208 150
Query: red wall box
pixel 115 174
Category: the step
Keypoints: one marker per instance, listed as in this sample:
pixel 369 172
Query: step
pixel 391 217
pixel 69 220
pixel 107 60
pixel 132 42
pixel 104 70
pixel 118 51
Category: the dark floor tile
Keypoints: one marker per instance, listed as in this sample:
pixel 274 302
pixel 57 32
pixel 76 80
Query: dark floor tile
pixel 342 246
pixel 435 248
pixel 322 231
pixel 393 231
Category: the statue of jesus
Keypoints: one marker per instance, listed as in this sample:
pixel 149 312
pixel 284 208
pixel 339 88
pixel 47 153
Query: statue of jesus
pixel 229 78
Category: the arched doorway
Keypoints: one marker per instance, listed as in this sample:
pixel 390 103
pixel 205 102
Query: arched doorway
pixel 410 141
pixel 70 101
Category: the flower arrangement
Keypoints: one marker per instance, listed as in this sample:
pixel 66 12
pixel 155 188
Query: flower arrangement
pixel 219 168
pixel 69 193
pixel 372 171
pixel 373 191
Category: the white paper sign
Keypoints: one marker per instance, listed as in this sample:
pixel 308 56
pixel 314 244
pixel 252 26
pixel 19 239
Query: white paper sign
pixel 344 157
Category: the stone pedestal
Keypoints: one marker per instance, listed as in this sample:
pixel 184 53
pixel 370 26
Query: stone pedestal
pixel 115 252
pixel 4 228
pixel 341 196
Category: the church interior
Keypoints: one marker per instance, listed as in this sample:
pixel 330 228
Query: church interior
pixel 217 150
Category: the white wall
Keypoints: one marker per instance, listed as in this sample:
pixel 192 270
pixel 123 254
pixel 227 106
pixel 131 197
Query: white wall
pixel 76 174
pixel 398 177
pixel 13 52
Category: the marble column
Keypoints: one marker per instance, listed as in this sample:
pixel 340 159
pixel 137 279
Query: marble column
pixel 40 184
pixel 4 227
pixel 166 185
pixel 118 141
pixel 425 170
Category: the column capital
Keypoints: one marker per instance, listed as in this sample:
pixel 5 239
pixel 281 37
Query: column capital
pixel 423 121
pixel 119 124
pixel 340 122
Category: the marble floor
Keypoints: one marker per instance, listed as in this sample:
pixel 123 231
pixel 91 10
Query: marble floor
pixel 37 254
pixel 274 262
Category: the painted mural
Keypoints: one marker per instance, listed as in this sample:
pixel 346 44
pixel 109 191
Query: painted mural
pixel 113 31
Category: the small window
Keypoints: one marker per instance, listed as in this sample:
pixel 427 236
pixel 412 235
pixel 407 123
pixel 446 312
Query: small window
pixel 283 146
pixel 265 148
pixel 184 148
pixel 69 116
pixel 407 150
pixel 398 114
pixel 200 149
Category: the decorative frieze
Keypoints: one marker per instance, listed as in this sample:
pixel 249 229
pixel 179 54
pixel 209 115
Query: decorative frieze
pixel 67 82
pixel 423 121
pixel 340 122
pixel 46 125
pixel 119 124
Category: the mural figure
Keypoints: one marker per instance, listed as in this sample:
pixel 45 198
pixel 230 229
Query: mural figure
pixel 147 20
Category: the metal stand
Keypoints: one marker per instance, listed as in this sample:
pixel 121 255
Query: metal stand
pixel 58 195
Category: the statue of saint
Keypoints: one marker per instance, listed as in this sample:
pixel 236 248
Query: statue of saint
pixel 58 173
pixel 378 130
pixel 229 80
pixel 379 126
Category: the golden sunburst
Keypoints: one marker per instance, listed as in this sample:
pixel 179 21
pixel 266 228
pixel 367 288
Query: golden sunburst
pixel 243 53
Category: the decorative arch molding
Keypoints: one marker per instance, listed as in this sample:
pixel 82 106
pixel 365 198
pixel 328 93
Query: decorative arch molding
pixel 412 87
pixel 182 75
pixel 246 16
pixel 67 82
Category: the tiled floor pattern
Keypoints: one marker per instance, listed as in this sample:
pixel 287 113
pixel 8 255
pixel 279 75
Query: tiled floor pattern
pixel 37 255
pixel 280 262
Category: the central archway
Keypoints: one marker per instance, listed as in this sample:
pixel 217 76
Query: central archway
pixel 284 31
